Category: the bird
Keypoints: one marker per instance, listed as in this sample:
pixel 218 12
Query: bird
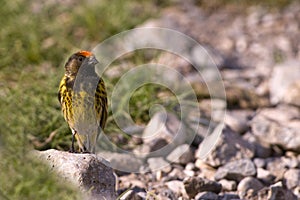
pixel 83 99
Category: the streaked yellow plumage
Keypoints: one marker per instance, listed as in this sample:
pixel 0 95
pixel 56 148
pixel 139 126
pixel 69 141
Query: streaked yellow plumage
pixel 83 99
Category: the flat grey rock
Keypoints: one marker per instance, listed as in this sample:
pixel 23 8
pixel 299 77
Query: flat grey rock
pixel 278 126
pixel 236 170
pixel 227 185
pixel 206 196
pixel 194 185
pixel 90 173
pixel 230 146
pixel 292 178
pixel 122 161
pixel 181 154
pixel 276 192
pixel 162 134
pixel 248 187
pixel 283 76
pixel 265 176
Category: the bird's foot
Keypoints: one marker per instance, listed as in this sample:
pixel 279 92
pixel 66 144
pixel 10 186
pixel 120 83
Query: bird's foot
pixel 84 150
pixel 72 150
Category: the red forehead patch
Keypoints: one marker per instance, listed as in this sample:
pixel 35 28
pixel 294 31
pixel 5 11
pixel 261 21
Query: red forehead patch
pixel 85 53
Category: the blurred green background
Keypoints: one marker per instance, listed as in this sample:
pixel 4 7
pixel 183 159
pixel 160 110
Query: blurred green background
pixel 36 39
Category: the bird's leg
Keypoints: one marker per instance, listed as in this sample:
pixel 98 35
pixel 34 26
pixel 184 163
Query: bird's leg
pixel 84 150
pixel 72 146
pixel 72 150
pixel 84 147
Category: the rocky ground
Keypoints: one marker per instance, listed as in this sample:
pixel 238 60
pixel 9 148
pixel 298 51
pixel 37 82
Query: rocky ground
pixel 257 155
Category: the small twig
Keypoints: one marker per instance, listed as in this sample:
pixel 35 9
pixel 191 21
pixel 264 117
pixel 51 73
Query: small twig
pixel 48 140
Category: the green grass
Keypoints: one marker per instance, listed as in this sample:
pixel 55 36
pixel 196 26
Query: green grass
pixel 36 39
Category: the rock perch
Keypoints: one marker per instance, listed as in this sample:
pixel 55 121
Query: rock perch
pixel 89 172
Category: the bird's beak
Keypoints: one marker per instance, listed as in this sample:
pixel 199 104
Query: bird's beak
pixel 93 60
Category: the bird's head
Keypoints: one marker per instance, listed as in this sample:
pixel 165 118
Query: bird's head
pixel 79 59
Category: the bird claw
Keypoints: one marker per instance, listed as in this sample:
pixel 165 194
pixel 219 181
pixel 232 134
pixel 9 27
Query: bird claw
pixel 72 151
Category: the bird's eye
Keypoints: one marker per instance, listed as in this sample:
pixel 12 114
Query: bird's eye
pixel 80 58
